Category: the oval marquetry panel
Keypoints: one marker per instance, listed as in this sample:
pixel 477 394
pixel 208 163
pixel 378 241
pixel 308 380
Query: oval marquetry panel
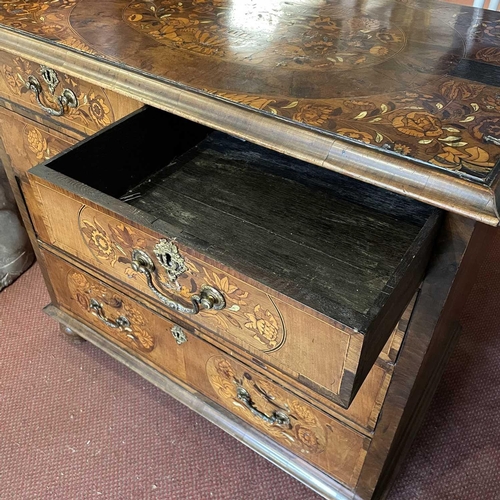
pixel 250 314
pixel 326 39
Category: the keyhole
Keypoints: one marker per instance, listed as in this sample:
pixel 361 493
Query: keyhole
pixel 168 259
pixel 169 262
pixel 49 78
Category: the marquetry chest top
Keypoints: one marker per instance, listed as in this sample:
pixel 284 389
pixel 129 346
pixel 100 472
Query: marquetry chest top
pixel 399 93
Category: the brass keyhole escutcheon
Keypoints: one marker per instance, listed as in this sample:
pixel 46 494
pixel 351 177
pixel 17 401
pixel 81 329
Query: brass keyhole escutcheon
pixel 50 78
pixel 178 334
pixel 170 259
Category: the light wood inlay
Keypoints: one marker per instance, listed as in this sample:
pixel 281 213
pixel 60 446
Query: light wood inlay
pixel 96 109
pixel 408 106
pixel 325 442
pixel 29 143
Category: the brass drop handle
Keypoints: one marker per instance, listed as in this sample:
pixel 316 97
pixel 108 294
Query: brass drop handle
pixel 209 297
pixel 122 322
pixel 276 418
pixel 66 99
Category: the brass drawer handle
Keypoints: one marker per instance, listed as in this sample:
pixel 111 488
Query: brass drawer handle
pixel 209 298
pixel 122 322
pixel 66 99
pixel 277 417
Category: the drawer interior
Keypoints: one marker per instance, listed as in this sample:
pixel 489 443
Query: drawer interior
pixel 330 242
pixel 129 152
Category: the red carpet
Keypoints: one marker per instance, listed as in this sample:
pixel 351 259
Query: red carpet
pixel 75 424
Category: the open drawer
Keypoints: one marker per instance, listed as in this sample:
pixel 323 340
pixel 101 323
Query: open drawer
pixel 306 270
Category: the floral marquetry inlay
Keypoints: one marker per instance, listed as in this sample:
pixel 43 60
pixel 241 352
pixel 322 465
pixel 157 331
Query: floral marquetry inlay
pixel 93 111
pixel 323 37
pixel 250 315
pixel 304 433
pixel 420 83
pixel 49 18
pixel 457 128
pixel 39 145
pixel 135 334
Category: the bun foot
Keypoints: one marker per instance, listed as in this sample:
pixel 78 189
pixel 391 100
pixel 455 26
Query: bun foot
pixel 71 334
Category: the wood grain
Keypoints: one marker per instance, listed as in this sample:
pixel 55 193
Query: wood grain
pixel 15 185
pixel 272 213
pixel 325 442
pixel 437 185
pixel 401 95
pixel 431 335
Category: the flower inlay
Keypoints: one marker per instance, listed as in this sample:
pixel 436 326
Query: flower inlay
pixel 305 434
pixel 84 290
pixel 456 128
pixel 251 32
pixel 250 315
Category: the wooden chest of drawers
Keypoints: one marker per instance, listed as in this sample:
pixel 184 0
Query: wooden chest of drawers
pixel 295 329
pixel 305 312
pixel 209 279
pixel 315 299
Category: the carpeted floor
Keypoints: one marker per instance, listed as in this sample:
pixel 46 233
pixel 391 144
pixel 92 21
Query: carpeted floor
pixel 75 424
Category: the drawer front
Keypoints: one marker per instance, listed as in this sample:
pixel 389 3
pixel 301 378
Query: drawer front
pixel 308 432
pixel 288 419
pixel 94 107
pixel 365 408
pixel 269 310
pixel 362 414
pixel 303 346
pixel 29 143
pixel 119 317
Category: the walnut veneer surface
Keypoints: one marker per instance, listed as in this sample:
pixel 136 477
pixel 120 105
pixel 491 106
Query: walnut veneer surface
pixel 395 80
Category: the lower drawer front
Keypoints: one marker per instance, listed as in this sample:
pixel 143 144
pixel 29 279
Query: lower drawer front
pixel 291 421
